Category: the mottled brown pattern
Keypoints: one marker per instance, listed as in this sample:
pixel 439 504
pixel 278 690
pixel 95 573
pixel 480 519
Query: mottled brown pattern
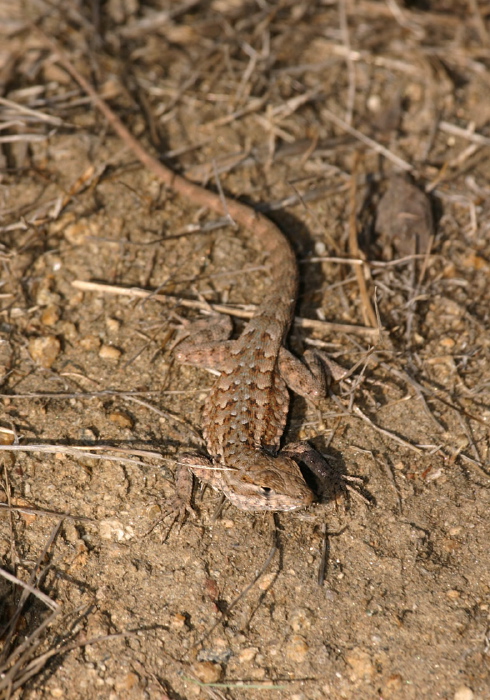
pixel 245 413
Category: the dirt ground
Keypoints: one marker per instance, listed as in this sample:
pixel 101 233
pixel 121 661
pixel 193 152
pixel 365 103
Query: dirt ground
pixel 312 112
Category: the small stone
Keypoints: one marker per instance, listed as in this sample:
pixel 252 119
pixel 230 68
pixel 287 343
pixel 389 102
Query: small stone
pixel 56 692
pixel 320 248
pixel 27 517
pixel 296 648
pixel 464 693
pixel 113 325
pixel 109 352
pixel 447 342
pixel 75 300
pixel 453 594
pixel 266 581
pixel 121 419
pixel 77 232
pixel 88 435
pixel 69 330
pixel 113 529
pixel 126 682
pixel 90 343
pixel 257 674
pixel 393 684
pixel 7 436
pixel 177 622
pixel 154 511
pixel 300 619
pixel 50 316
pixel 45 350
pixel 360 663
pixel 374 103
pixel 45 297
pixel 246 656
pixel 455 531
pixel 207 672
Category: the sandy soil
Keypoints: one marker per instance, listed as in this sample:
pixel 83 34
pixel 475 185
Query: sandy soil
pixel 260 95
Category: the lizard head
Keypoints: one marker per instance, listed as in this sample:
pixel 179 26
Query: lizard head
pixel 268 483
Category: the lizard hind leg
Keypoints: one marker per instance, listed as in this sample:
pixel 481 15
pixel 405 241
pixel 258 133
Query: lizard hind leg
pixel 310 378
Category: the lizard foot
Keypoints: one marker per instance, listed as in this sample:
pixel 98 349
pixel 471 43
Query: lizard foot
pixel 180 507
pixel 328 482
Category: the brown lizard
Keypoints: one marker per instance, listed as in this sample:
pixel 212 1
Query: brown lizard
pixel 245 414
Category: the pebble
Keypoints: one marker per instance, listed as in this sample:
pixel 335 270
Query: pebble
pixel 28 518
pixel 360 663
pixel 90 342
pixel 113 529
pixel 7 436
pixel 296 648
pixel 121 419
pixel 126 682
pixel 266 581
pixel 110 352
pixel 77 232
pixel 393 684
pixel 153 511
pixel 178 621
pixel 207 671
pixel 45 350
pixel 50 316
pixel 247 655
pixel 257 674
pixel 45 297
pixel 300 619
pixel 464 693
pixel 113 325
pixel 88 435
pixel 69 330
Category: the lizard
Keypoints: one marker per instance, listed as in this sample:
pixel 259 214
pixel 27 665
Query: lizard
pixel 245 413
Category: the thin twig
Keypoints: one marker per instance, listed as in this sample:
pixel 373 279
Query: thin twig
pixel 354 251
pixel 49 602
pixel 237 312
pixel 374 145
pixel 73 451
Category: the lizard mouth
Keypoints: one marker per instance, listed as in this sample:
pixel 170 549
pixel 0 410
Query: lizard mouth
pixel 264 498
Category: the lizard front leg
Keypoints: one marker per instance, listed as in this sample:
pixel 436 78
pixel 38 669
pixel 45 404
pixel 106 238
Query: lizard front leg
pixel 204 343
